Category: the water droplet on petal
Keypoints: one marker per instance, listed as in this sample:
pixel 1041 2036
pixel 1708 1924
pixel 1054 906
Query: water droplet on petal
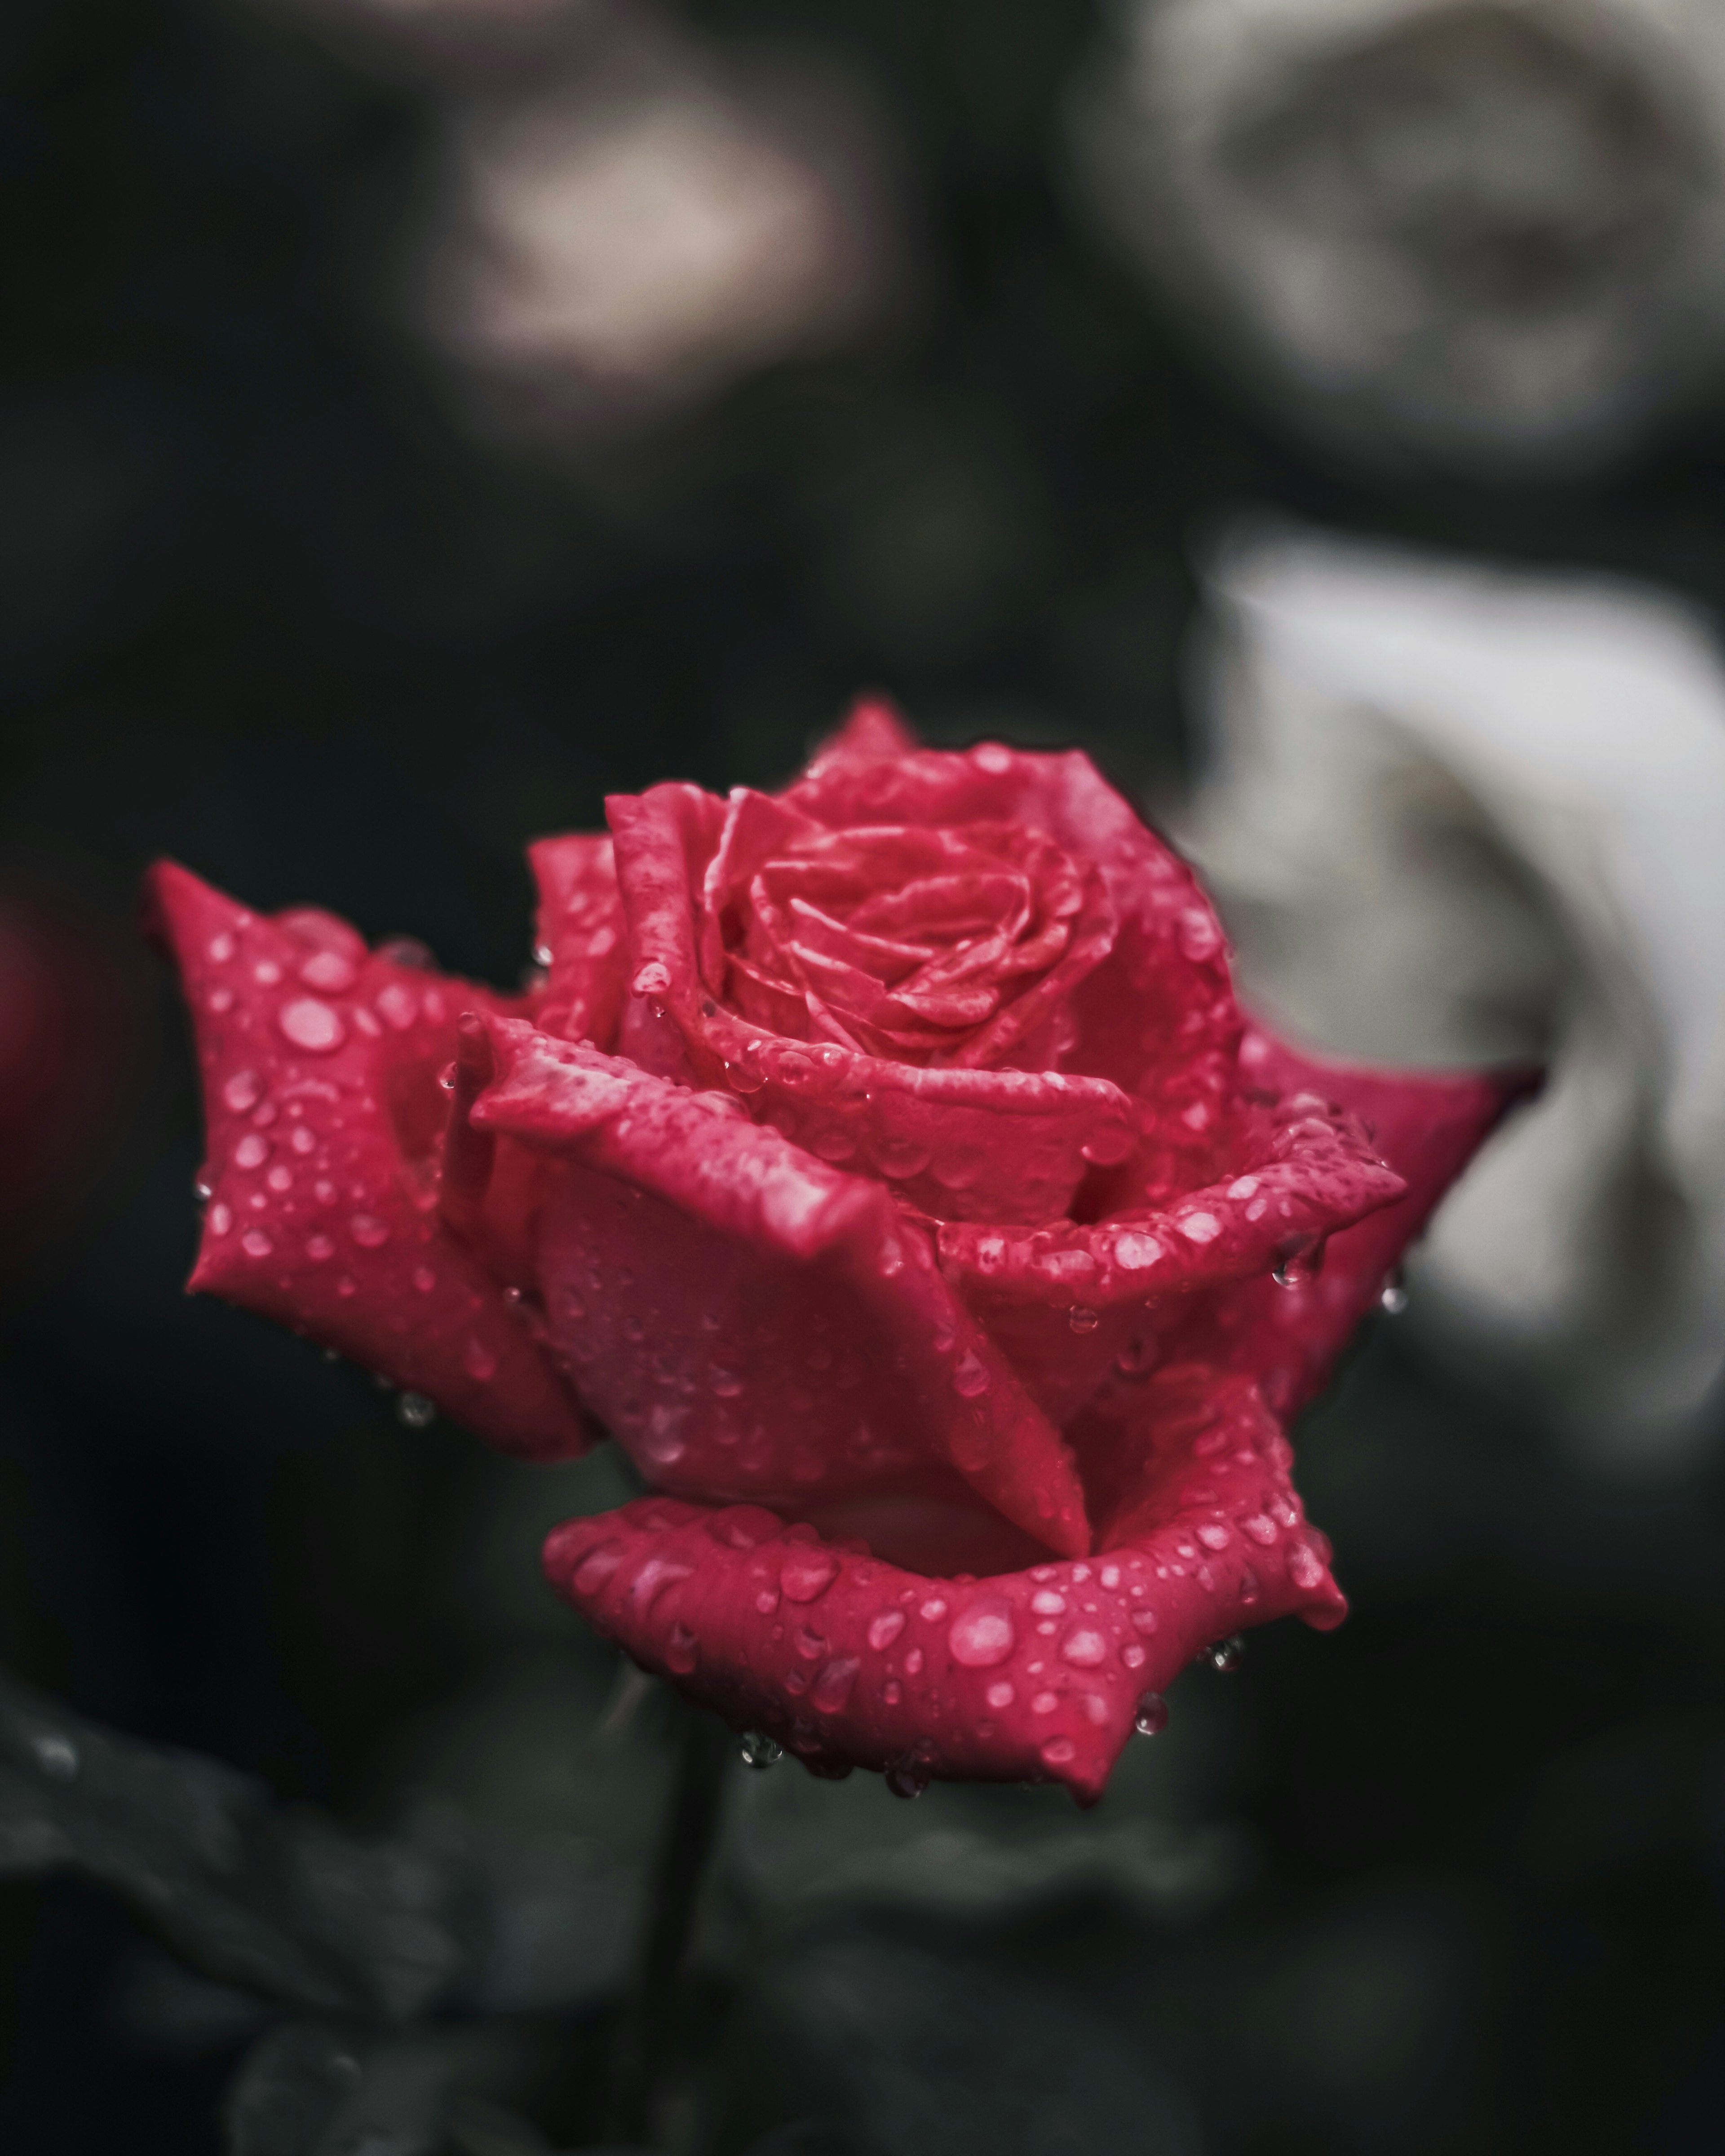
pixel 982 1636
pixel 242 1091
pixel 758 1751
pixel 1227 1655
pixel 256 1244
pixel 1060 1751
pixel 318 1248
pixel 203 1191
pixel 682 1650
pixel 885 1628
pixel 1393 1300
pixel 652 979
pixel 398 1006
pixel 316 1027
pixel 1085 1646
pixel 221 948
pixel 808 1575
pixel 832 1687
pixel 971 1378
pixel 368 1231
pixel 478 1362
pixel 1082 1319
pixel 252 1151
pixel 1151 1717
pixel 330 971
pixel 1000 1694
pixel 1305 1566
pixel 413 1411
pixel 906 1779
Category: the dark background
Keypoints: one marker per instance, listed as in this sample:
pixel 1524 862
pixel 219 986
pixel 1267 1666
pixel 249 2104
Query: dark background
pixel 269 603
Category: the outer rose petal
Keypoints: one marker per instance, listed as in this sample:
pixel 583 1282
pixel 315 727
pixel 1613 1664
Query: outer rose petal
pixel 986 1144
pixel 1065 1301
pixel 321 1113
pixel 752 1321
pixel 581 926
pixel 1428 1127
pixel 1031 1675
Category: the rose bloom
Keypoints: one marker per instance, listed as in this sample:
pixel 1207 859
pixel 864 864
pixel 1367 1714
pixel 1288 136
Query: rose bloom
pixel 885 1164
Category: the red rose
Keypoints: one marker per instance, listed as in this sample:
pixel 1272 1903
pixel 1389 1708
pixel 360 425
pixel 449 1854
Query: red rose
pixel 885 1164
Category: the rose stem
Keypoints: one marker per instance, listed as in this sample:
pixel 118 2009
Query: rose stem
pixel 648 2024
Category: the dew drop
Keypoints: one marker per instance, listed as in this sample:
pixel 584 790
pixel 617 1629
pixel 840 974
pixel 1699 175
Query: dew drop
pixel 221 1001
pixel 368 1231
pixel 1046 1603
pixel 832 1687
pixel 906 1779
pixel 885 1628
pixel 221 948
pixel 982 1636
pixel 1304 1566
pixel 682 1651
pixel 1082 1319
pixel 597 1567
pixel 652 979
pixel 318 1248
pixel 1394 1300
pixel 1151 1717
pixel 330 971
pixel 413 1411
pixel 256 1244
pixel 1226 1656
pixel 314 1026
pixel 807 1576
pixel 424 1278
pixel 1060 1751
pixel 478 1361
pixel 1000 1694
pixel 203 1191
pixel 242 1091
pixel 398 1006
pixel 758 1751
pixel 971 1378
pixel 1085 1647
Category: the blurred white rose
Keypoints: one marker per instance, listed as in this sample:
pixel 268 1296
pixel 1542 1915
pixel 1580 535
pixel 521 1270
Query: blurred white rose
pixel 1463 231
pixel 628 217
pixel 635 238
pixel 1455 815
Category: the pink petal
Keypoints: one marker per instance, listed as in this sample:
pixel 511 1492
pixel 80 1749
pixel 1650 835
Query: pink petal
pixel 1035 1675
pixel 323 1117
pixel 751 1321
pixel 581 925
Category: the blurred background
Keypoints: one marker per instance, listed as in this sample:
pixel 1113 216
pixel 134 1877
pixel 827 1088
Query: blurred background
pixel 419 417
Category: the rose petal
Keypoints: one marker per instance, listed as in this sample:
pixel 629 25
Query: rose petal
pixel 752 1321
pixel 1310 1173
pixel 323 1115
pixel 580 925
pixel 986 1144
pixel 1427 1127
pixel 1028 1676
